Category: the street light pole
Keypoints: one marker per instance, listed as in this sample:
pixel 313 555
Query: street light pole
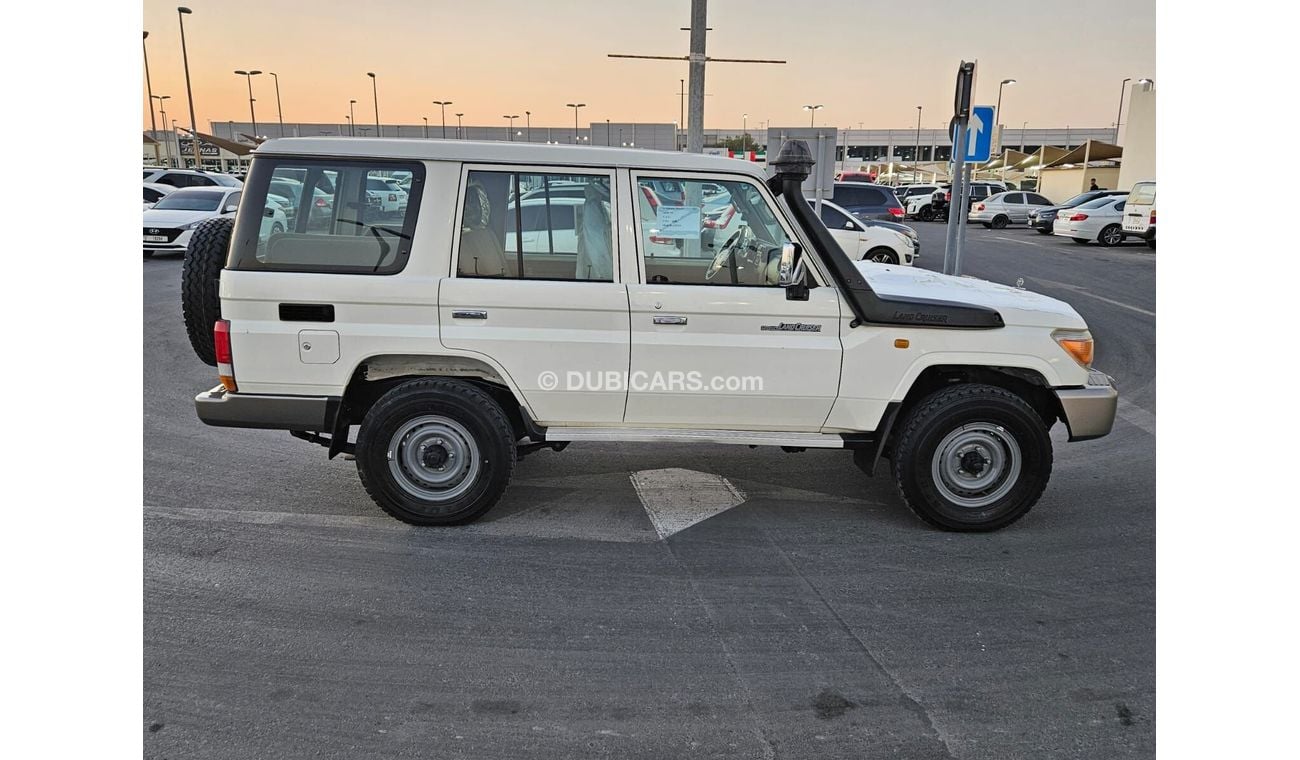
pixel 352 118
pixel 1022 136
pixel 426 126
pixel 510 134
pixel 443 105
pixel 575 107
pixel 997 115
pixel 252 113
pixel 374 85
pixel 279 112
pixel 812 113
pixel 744 133
pixel 528 126
pixel 163 108
pixel 459 135
pixel 153 123
pixel 1121 107
pixel 181 13
pixel 917 158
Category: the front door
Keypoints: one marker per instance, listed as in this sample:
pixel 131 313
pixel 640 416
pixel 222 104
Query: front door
pixel 535 288
pixel 716 344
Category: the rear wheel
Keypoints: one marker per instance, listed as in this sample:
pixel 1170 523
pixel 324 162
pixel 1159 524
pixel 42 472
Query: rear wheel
pixel 1000 222
pixel 1151 244
pixel 882 256
pixel 1111 235
pixel 972 457
pixel 926 214
pixel 435 451
pixel 200 277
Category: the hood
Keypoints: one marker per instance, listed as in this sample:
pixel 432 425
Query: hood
pixel 174 218
pixel 1017 307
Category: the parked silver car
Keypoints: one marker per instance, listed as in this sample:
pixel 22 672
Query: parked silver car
pixel 997 211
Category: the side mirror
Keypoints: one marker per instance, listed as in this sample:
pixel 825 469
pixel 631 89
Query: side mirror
pixel 268 213
pixel 849 226
pixel 786 266
pixel 230 209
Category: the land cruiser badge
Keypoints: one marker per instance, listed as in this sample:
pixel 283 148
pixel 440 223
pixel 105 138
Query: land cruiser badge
pixel 792 327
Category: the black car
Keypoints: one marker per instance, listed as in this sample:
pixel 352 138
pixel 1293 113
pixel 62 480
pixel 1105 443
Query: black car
pixel 978 192
pixel 868 201
pixel 1043 219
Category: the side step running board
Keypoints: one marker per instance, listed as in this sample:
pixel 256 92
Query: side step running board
pixel 664 435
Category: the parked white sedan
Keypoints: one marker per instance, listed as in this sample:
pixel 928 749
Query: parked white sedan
pixel 154 192
pixel 169 225
pixel 1099 220
pixel 880 242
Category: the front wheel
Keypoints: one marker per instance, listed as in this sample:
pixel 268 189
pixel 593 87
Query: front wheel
pixel 882 256
pixel 435 452
pixel 926 214
pixel 1000 222
pixel 972 457
pixel 1042 231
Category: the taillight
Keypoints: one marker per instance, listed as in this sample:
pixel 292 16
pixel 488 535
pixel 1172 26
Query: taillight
pixel 722 219
pixel 320 203
pixel 980 207
pixel 225 364
pixel 1153 217
pixel 1078 217
pixel 898 212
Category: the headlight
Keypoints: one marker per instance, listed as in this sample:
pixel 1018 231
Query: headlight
pixel 1077 343
pixel 192 225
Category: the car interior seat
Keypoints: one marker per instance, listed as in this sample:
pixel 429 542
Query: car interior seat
pixel 481 252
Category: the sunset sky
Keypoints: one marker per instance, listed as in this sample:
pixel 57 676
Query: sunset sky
pixel 866 61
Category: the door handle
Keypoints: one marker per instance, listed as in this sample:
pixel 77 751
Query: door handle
pixel 670 320
pixel 469 314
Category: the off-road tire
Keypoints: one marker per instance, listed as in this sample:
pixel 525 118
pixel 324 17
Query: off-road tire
pixel 200 277
pixel 1000 222
pixel 461 402
pixel 933 418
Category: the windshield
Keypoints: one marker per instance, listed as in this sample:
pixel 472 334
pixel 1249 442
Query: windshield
pixel 1080 198
pixel 190 200
pixel 1101 202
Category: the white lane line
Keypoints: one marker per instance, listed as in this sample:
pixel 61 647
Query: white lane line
pixel 1085 292
pixel 1022 242
pixel 1136 416
pixel 675 499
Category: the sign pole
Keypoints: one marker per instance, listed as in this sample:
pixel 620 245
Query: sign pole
pixel 957 128
pixel 961 223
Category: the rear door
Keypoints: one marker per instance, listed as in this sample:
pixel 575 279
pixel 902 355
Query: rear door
pixel 1138 209
pixel 545 304
pixel 1016 208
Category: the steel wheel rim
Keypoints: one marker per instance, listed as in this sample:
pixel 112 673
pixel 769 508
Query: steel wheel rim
pixel 976 464
pixel 434 458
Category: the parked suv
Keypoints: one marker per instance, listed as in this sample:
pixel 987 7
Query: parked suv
pixel 867 201
pixel 476 327
pixel 188 178
pixel 1140 213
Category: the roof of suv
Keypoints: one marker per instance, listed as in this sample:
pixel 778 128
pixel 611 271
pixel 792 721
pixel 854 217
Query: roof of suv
pixel 491 151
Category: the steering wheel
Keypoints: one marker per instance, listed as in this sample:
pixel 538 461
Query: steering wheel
pixel 738 240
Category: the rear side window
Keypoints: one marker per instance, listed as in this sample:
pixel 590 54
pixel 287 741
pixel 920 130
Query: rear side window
pixel 850 195
pixel 1012 198
pixel 513 226
pixel 834 220
pixel 335 221
pixel 1037 200
pixel 1144 194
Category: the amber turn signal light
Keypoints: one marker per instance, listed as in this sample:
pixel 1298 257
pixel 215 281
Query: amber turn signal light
pixel 1077 344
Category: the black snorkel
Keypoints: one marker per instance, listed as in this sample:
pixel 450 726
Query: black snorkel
pixel 793 164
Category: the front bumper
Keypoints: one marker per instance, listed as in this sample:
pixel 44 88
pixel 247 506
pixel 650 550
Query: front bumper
pixel 1089 412
pixel 1042 222
pixel 178 245
pixel 222 408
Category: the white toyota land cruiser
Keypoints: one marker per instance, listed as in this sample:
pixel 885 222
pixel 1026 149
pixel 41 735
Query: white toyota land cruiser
pixel 530 296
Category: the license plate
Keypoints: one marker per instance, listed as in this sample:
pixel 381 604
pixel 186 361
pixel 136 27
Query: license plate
pixel 155 238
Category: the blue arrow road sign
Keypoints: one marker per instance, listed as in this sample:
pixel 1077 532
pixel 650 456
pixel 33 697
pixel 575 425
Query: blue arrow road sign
pixel 979 134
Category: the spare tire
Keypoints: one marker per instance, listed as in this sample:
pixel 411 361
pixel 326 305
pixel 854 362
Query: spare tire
pixel 200 278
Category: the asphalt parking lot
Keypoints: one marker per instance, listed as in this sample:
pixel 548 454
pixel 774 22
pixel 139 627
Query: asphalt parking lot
pixel 286 616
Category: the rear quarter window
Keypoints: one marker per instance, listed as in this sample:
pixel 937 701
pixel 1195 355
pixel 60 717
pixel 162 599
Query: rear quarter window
pixel 338 224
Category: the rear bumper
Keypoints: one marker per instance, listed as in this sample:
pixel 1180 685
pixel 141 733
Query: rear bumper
pixel 221 408
pixel 1089 411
